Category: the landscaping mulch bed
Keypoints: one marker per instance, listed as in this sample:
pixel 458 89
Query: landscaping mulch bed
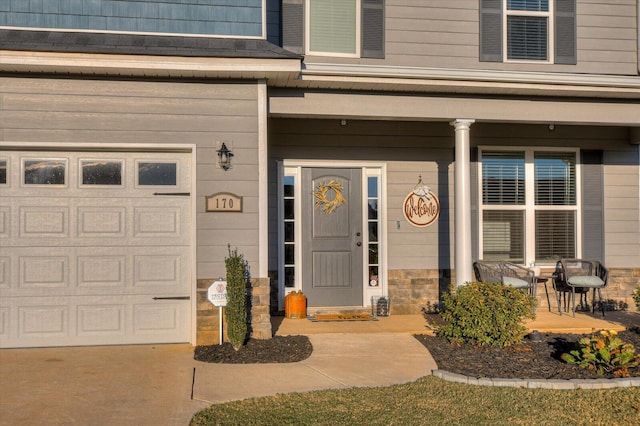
pixel 528 360
pixel 279 349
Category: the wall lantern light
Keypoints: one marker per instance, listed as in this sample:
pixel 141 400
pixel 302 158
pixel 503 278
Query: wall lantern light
pixel 224 157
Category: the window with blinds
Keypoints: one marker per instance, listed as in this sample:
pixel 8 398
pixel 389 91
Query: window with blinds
pixel 333 26
pixel 555 178
pixel 503 235
pixel 555 235
pixel 529 205
pixel 527 29
pixel 503 178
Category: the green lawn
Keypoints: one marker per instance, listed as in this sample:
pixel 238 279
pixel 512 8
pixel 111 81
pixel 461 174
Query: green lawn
pixel 434 402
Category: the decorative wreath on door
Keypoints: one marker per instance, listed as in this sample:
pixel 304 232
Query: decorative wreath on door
pixel 322 199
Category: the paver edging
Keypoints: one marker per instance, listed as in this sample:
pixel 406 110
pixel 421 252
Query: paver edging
pixel 539 383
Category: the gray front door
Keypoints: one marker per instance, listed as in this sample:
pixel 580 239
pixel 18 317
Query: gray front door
pixel 332 236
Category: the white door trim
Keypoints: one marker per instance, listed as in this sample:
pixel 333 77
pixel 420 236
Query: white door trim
pixel 382 289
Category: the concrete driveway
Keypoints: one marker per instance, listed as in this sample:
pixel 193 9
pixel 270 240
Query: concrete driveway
pixel 163 385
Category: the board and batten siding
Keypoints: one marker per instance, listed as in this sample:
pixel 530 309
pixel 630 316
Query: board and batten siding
pixel 79 111
pixel 445 34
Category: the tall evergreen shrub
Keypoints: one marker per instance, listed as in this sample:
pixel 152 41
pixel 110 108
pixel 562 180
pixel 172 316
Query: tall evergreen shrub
pixel 236 309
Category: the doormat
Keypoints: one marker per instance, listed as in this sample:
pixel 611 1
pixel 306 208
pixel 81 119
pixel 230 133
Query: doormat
pixel 342 317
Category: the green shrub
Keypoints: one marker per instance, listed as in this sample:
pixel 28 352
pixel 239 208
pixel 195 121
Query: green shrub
pixel 605 352
pixel 486 314
pixel 236 309
pixel 636 297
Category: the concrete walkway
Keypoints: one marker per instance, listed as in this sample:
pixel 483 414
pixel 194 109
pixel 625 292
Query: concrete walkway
pixel 153 384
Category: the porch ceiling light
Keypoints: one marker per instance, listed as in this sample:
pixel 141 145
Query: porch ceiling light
pixel 224 157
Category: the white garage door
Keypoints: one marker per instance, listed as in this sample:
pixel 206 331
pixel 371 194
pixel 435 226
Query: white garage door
pixel 95 248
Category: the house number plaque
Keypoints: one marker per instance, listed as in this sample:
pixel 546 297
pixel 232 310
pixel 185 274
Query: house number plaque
pixel 224 202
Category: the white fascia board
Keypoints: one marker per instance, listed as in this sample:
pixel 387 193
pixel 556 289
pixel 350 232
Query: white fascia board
pixel 123 64
pixel 356 73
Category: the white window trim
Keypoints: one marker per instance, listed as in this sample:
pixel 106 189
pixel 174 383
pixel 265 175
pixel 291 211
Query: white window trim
pixel 550 32
pixel 112 160
pixel 307 34
pixel 369 169
pixel 43 157
pixel 529 206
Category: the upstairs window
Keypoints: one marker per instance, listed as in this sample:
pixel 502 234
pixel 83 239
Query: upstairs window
pixel 347 28
pixel 528 30
pixel 332 27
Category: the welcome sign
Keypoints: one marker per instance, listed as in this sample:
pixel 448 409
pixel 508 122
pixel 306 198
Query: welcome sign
pixel 421 206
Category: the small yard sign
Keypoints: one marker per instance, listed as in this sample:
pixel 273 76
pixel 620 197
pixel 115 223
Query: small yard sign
pixel 217 293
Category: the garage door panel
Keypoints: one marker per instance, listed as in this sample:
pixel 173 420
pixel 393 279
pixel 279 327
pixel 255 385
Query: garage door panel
pixel 95 259
pixel 90 320
pixel 5 222
pixel 156 318
pixel 102 320
pixel 44 271
pixel 5 271
pixel 4 323
pixel 102 270
pixel 44 221
pixel 44 321
pixel 98 221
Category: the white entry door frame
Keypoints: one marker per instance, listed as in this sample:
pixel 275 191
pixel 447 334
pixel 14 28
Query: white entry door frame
pixel 290 230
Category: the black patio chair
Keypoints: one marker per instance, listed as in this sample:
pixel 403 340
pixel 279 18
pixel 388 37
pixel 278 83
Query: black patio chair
pixel 578 276
pixel 487 271
pixel 506 273
pixel 561 290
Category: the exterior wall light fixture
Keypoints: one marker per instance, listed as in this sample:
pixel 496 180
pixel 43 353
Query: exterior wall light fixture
pixel 224 157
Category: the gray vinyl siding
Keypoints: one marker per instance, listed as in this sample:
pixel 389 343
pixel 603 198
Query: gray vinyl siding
pixel 445 34
pixel 137 112
pixel 410 149
pixel 429 146
pixel 205 17
pixel 621 210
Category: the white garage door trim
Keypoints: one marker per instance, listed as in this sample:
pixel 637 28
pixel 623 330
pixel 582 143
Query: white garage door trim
pixel 107 258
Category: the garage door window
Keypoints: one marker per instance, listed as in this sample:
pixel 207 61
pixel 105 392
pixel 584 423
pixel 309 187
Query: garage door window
pixel 44 172
pixel 99 172
pixel 3 171
pixel 157 173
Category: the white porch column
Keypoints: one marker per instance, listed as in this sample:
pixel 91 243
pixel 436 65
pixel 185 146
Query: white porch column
pixel 462 201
